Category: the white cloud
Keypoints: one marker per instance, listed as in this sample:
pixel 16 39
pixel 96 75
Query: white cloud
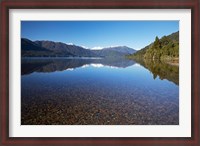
pixel 84 66
pixel 97 65
pixel 137 65
pixel 97 48
pixel 69 43
pixel 84 47
pixel 70 69
pixel 113 46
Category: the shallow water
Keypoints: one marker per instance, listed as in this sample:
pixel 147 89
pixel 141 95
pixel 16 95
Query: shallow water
pixel 96 92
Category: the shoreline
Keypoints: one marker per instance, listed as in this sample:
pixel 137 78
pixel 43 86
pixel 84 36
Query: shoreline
pixel 61 57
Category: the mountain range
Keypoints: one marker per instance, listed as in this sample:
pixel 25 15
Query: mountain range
pixel 58 49
pixel 165 48
pixel 114 51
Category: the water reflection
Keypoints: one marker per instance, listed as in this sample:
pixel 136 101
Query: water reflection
pixel 161 69
pixel 51 65
pixel 96 92
pixel 157 68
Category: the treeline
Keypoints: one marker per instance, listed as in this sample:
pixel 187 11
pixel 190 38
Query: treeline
pixel 166 48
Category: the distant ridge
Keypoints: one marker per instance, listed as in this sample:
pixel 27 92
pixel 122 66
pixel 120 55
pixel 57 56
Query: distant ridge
pixel 62 48
pixel 58 49
pixel 118 51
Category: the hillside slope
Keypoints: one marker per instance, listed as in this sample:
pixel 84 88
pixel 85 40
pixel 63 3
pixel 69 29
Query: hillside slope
pixel 62 48
pixel 166 48
pixel 58 49
pixel 31 49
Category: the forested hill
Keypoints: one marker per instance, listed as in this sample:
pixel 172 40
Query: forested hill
pixel 165 48
pixel 58 49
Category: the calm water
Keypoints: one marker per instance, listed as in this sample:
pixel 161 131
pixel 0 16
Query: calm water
pixel 98 91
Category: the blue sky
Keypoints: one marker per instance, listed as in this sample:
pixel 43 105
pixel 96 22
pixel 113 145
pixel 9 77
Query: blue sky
pixel 97 34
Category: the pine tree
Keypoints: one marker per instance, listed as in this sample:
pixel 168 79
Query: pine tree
pixel 157 44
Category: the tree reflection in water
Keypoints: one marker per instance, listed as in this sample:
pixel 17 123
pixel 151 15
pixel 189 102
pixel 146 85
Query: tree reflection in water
pixel 161 69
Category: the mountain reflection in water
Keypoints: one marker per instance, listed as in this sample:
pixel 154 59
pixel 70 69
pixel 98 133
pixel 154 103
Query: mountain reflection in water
pixel 157 68
pixel 51 65
pixel 93 91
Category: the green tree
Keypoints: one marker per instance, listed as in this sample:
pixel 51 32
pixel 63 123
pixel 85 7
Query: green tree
pixel 157 44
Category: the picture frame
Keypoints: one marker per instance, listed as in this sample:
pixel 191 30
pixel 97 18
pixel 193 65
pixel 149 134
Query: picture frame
pixel 6 5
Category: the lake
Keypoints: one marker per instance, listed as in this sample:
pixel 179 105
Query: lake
pixel 98 91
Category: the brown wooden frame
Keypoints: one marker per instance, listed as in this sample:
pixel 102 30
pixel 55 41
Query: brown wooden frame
pixel 194 5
